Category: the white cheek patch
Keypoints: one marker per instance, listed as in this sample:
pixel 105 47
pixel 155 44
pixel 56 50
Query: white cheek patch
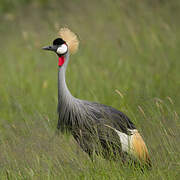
pixel 62 49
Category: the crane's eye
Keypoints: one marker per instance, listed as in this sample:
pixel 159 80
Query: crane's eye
pixel 62 49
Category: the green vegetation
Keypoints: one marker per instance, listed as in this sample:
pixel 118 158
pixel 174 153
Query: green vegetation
pixel 129 46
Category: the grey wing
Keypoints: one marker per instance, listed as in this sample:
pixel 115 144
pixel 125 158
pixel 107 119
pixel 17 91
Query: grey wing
pixel 111 117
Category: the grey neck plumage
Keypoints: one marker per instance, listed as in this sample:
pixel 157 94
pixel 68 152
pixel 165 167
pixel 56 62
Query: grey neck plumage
pixel 63 91
pixel 66 102
pixel 72 112
pixel 64 94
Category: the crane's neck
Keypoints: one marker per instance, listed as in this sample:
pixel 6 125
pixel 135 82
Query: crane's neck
pixel 64 95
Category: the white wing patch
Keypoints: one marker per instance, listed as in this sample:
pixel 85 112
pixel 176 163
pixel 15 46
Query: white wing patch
pixel 126 140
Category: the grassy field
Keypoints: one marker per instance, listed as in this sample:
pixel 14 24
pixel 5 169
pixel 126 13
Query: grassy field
pixel 131 47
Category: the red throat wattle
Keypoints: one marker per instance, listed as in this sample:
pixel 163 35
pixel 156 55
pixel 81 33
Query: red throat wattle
pixel 61 61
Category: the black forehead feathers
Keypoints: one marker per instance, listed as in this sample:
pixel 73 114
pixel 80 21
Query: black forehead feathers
pixel 58 41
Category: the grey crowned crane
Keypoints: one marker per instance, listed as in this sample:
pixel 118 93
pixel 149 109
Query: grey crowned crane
pixel 97 128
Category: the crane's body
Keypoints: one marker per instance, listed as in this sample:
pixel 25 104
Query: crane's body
pixel 96 127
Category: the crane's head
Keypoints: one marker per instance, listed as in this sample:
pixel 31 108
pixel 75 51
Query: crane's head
pixel 67 42
pixel 60 48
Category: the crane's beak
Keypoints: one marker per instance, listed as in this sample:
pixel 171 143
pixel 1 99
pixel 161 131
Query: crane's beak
pixel 50 48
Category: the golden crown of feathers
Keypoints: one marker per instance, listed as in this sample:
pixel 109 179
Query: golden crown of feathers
pixel 70 38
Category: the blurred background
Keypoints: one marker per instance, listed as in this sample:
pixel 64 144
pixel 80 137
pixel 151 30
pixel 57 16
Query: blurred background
pixel 128 58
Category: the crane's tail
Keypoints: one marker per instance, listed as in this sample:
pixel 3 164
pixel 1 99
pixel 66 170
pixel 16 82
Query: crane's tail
pixel 134 145
pixel 139 149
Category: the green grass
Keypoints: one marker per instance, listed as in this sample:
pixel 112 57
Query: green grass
pixel 129 46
